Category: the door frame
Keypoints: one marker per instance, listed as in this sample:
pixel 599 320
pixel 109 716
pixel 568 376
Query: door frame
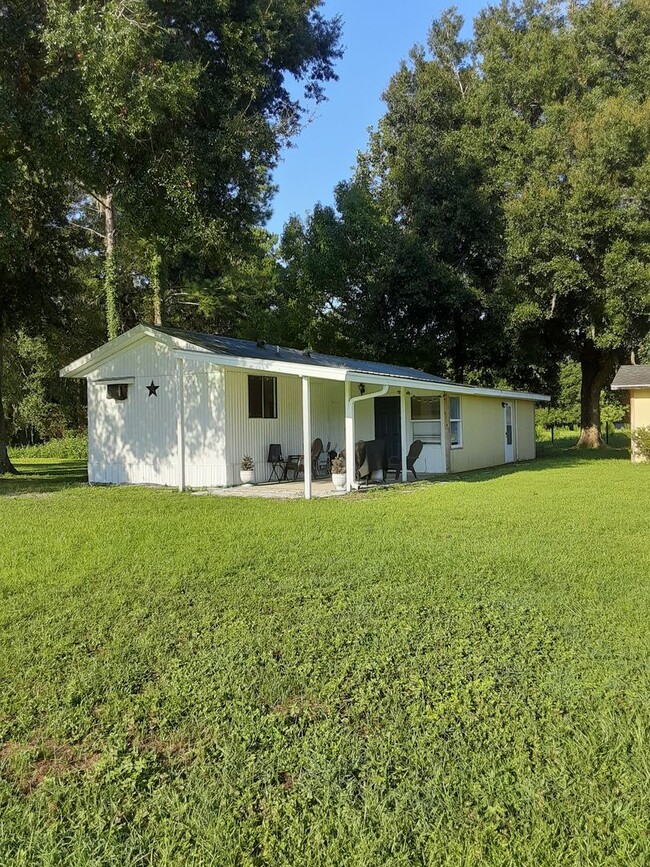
pixel 395 401
pixel 508 432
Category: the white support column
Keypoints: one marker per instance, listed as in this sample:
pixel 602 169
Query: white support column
pixel 306 434
pixel 180 421
pixel 350 457
pixel 446 431
pixel 403 410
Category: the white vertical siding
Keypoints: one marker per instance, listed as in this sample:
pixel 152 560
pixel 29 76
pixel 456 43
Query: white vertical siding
pixel 252 436
pixel 135 441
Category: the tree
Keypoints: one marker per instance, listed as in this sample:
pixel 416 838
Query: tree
pixel 34 257
pixel 431 163
pixel 569 93
pixel 175 116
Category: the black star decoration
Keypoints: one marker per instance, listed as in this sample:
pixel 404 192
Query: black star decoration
pixel 152 389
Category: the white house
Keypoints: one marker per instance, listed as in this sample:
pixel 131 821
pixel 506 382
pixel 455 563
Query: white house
pixel 180 408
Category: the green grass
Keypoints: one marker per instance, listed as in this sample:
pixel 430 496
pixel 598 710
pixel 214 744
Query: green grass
pixel 444 674
pixel 72 446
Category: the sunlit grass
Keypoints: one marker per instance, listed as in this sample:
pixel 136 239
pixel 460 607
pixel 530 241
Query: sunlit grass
pixel 448 673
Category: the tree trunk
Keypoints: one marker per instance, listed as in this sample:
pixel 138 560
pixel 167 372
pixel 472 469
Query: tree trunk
pixel 113 324
pixel 597 367
pixel 5 462
pixel 156 288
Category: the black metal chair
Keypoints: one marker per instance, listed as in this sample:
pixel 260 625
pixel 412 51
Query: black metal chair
pixel 278 464
pixel 414 453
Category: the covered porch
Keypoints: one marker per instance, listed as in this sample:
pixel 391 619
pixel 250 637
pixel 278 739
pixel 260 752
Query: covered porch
pixel 336 405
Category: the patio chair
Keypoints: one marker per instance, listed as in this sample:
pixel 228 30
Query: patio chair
pixel 295 464
pixel 323 461
pixel 316 452
pixel 277 463
pixel 414 453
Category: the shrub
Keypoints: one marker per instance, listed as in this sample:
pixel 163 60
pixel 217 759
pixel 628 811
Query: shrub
pixel 247 463
pixel 641 440
pixel 338 465
pixel 73 445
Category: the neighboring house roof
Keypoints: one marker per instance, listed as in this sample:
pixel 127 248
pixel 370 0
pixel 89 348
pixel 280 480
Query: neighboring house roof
pixel 229 351
pixel 632 376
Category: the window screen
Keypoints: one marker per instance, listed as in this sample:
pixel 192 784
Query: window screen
pixel 426 419
pixel 455 422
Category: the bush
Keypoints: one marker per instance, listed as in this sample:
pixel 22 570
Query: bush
pixel 641 440
pixel 73 446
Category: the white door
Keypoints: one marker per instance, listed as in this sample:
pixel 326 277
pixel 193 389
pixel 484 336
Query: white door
pixel 509 438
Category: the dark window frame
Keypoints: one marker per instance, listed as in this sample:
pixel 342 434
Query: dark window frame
pixel 262 396
pixel 118 391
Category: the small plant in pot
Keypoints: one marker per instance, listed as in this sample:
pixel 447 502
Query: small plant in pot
pixel 338 473
pixel 247 470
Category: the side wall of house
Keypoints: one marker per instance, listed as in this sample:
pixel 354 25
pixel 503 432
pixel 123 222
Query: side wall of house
pixel 482 434
pixel 526 448
pixel 483 428
pixel 135 441
pixel 639 414
pixel 252 436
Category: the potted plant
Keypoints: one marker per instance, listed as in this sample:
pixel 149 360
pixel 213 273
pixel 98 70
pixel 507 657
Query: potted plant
pixel 247 470
pixel 338 473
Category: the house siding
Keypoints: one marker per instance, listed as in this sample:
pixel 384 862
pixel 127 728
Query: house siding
pixel 639 415
pixel 135 441
pixel 483 435
pixel 252 436
pixel 526 449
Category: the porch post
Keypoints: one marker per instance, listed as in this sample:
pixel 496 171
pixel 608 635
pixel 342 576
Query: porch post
pixel 446 428
pixel 306 434
pixel 402 407
pixel 180 422
pixel 350 457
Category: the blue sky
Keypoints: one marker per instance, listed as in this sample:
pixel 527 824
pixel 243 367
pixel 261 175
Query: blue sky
pixel 377 34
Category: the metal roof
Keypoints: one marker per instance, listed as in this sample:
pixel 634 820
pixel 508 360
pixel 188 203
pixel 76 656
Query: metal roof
pixel 632 376
pixel 270 352
pixel 264 356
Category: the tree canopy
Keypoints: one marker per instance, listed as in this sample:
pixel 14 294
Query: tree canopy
pixel 510 173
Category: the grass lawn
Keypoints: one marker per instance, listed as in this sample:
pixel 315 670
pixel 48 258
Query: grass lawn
pixel 447 674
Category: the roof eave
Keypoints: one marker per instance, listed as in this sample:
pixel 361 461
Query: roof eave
pixel 82 367
pixel 444 387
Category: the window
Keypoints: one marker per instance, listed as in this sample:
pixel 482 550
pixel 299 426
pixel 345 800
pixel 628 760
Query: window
pixel 426 419
pixel 455 423
pixel 262 397
pixel 117 391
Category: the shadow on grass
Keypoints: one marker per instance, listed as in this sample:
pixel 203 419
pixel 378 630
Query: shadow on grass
pixel 43 476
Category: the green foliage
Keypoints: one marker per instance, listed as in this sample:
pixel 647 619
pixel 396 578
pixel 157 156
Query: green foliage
pixel 69 447
pixel 641 440
pixel 504 200
pixel 378 679
pixel 247 463
pixel 171 124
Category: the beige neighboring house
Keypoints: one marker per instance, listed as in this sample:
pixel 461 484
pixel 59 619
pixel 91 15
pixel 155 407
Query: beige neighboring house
pixel 635 378
pixel 173 407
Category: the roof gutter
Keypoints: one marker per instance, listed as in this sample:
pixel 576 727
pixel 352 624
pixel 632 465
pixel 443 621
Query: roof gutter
pixel 443 387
